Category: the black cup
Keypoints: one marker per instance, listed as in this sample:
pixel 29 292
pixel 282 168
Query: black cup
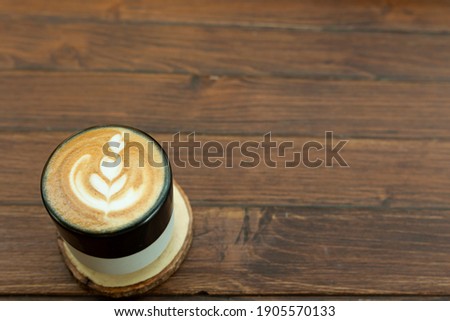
pixel 129 240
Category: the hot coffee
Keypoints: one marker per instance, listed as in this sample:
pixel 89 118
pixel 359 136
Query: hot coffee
pixel 95 192
pixel 109 191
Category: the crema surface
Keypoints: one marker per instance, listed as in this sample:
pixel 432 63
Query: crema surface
pixel 104 179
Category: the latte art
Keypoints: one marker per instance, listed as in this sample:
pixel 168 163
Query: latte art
pixel 93 190
pixel 108 182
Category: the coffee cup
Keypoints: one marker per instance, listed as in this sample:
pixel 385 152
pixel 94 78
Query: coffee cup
pixel 108 190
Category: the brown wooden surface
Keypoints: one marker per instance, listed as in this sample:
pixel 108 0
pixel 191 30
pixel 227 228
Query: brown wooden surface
pixel 398 15
pixel 374 72
pixel 218 50
pixel 224 105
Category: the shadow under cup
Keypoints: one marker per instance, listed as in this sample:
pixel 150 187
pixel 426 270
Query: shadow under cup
pixel 128 249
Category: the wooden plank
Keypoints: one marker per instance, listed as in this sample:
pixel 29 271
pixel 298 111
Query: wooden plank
pixel 221 105
pixel 395 173
pixel 194 297
pixel 221 51
pixel 349 14
pixel 261 251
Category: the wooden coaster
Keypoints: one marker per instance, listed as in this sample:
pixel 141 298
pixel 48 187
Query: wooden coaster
pixel 150 276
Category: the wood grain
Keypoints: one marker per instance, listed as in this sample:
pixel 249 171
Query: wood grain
pixel 416 15
pixel 156 48
pixel 261 251
pixel 225 105
pixel 388 173
pixel 374 72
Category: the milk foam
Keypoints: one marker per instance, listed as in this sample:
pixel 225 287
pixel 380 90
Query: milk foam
pixel 85 192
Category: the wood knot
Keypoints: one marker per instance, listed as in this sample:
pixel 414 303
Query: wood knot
pixel 67 56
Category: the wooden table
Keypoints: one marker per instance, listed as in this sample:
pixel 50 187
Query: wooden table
pixel 376 73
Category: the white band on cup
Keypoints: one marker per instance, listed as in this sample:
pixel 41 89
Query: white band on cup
pixel 130 263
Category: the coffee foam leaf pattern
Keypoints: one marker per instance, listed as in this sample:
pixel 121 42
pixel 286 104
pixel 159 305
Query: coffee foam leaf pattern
pixel 111 183
pixel 99 186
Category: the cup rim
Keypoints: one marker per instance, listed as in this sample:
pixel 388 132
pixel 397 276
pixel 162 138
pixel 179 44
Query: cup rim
pixel 145 218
